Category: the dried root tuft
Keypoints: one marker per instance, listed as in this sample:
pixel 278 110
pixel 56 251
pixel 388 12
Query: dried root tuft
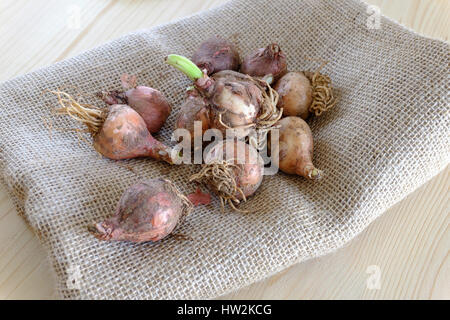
pixel 220 177
pixel 323 98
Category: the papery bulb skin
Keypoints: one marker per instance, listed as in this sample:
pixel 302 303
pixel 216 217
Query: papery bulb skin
pixel 124 135
pixel 151 105
pixel 216 54
pixel 265 61
pixel 147 211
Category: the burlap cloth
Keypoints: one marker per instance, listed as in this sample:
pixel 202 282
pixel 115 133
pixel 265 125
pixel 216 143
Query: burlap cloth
pixel 388 134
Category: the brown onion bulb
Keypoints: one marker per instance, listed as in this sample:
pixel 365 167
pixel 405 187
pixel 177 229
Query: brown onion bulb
pixel 118 132
pixel 295 94
pixel 265 61
pixel 150 103
pixel 216 54
pixel 194 108
pixel 238 102
pixel 295 148
pixel 302 93
pixel 124 135
pixel 147 211
pixel 233 170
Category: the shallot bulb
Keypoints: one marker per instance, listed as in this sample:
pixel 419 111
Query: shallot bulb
pixel 295 148
pixel 303 93
pixel 233 170
pixel 150 103
pixel 216 54
pixel 194 108
pixel 199 198
pixel 265 61
pixel 147 211
pixel 118 132
pixel 237 102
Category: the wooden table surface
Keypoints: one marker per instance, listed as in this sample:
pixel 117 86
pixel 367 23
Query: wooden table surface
pixel 403 254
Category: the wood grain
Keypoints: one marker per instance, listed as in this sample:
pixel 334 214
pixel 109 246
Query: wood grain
pixel 408 245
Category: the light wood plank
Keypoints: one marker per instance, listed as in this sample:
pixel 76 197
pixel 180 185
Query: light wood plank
pixel 409 242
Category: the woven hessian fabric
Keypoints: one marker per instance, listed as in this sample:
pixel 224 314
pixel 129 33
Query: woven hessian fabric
pixel 387 135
